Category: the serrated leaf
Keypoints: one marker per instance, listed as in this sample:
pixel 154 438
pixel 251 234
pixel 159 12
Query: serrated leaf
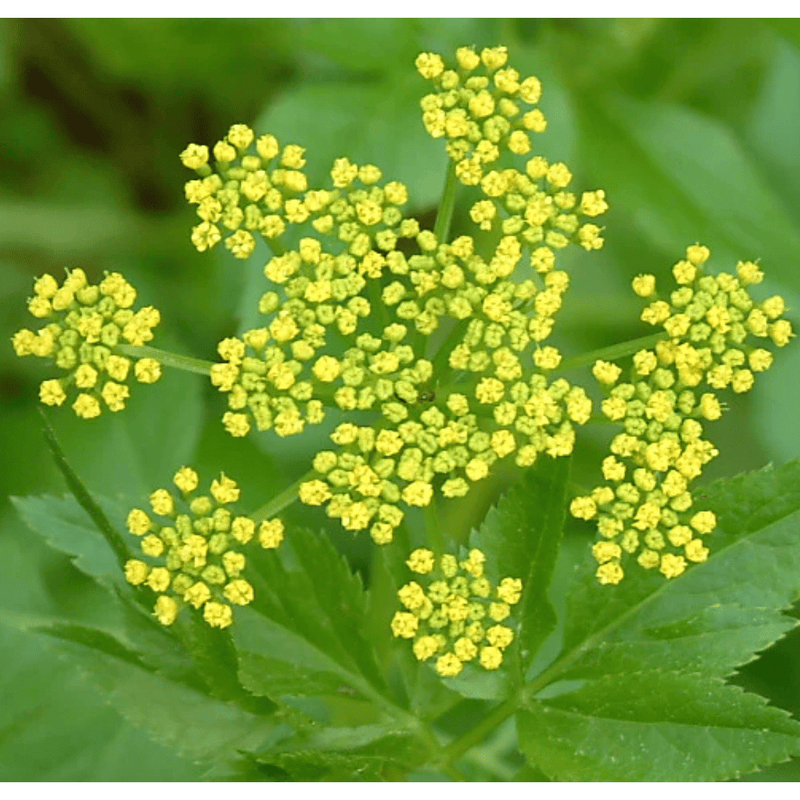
pixel 66 527
pixel 54 727
pixel 716 615
pixel 521 537
pixel 368 752
pixel 180 717
pixel 307 629
pixel 654 726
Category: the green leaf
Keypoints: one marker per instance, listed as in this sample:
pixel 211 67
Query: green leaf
pixel 54 727
pixel 521 537
pixel 682 178
pixel 324 118
pixel 84 498
pixel 771 130
pixel 654 726
pixel 638 655
pixel 178 716
pixel 716 615
pixel 373 45
pixel 135 451
pixel 307 628
pixel 66 527
pixel 368 752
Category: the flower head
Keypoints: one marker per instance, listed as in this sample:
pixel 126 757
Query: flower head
pixel 454 613
pixel 645 510
pixel 192 545
pixel 84 326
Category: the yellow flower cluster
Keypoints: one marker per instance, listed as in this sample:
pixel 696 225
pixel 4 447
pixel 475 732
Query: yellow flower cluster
pixel 645 508
pixel 455 613
pixel 349 319
pixel 85 323
pixel 260 188
pixel 194 541
pixel 284 375
pixel 479 108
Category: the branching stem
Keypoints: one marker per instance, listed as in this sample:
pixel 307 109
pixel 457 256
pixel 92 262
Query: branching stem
pixel 186 363
pixel 444 216
pixel 611 353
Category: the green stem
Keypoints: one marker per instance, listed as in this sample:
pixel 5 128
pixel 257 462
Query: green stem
pixel 446 205
pixel 453 773
pixel 495 717
pixel 282 500
pixel 186 363
pixel 611 353
pixel 440 358
pixel 82 495
pixel 433 528
pixel 276 246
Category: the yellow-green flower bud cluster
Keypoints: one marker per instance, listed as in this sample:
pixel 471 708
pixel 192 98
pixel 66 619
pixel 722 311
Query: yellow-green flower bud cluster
pixel 442 425
pixel 536 206
pixel 479 107
pixel 84 325
pixel 431 436
pixel 260 188
pixel 645 508
pixel 192 545
pixel 283 375
pixel 453 612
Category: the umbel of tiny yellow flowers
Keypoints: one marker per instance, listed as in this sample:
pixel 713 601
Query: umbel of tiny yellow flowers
pixel 439 423
pixel 713 326
pixel 192 546
pixel 454 613
pixel 484 108
pixel 258 188
pixel 83 326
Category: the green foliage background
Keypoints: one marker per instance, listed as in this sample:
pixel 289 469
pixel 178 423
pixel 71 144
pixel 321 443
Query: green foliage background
pixel 691 127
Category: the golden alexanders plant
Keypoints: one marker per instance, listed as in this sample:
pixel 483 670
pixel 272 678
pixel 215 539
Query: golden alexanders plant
pixel 432 353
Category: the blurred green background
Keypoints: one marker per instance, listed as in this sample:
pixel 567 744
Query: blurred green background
pixel 691 126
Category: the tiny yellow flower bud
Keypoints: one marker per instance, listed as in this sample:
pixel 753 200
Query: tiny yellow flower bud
pixel 51 393
pixel 583 508
pixel 136 572
pixel 672 566
pixel 166 610
pixel 243 529
pixel 491 657
pixel 421 561
pixel 162 503
pixel 404 625
pixel 86 406
pixel 644 285
pixel 138 522
pixel 217 615
pixel 186 479
pixel 147 370
pixel 429 65
pixel 225 490
pixel 270 534
pixel 239 592
pixel 449 665
pixel 240 136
